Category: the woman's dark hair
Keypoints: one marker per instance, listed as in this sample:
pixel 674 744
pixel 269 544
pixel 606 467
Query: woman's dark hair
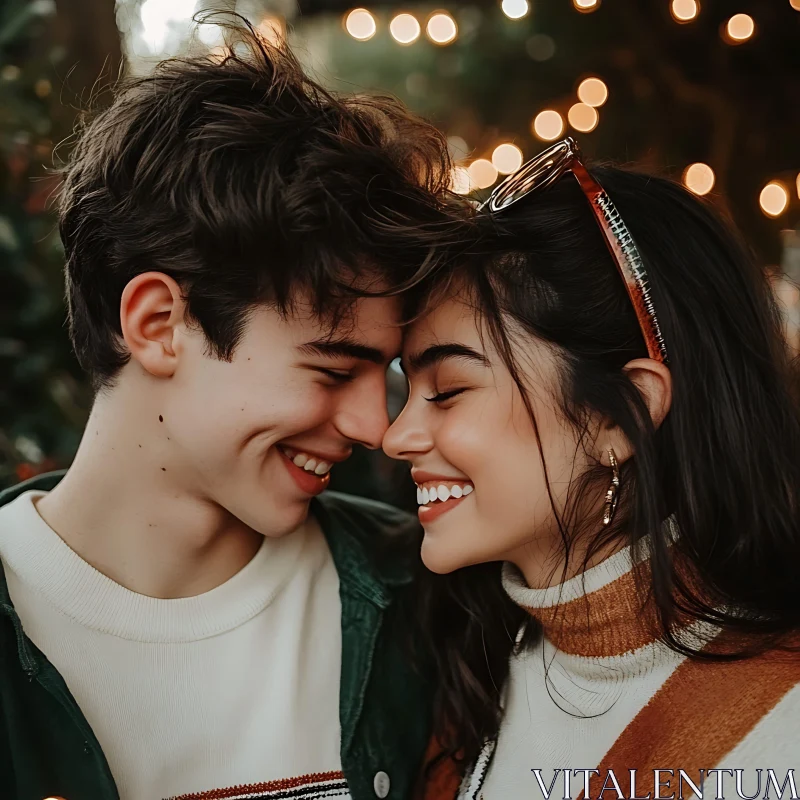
pixel 245 181
pixel 725 462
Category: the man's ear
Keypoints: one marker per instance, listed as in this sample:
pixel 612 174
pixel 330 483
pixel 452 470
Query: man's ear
pixel 151 309
pixel 654 382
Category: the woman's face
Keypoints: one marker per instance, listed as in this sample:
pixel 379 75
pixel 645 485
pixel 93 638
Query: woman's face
pixel 473 449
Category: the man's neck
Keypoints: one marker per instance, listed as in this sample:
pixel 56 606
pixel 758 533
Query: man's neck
pixel 142 527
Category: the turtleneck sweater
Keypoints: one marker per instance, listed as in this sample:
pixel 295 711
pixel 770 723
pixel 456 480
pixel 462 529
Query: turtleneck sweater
pixel 599 691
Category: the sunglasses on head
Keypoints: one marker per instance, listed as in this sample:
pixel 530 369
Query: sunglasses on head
pixel 543 171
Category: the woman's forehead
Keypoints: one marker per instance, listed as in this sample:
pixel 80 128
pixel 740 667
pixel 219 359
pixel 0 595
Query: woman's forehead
pixel 453 320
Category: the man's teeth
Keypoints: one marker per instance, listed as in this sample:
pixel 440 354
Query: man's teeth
pixel 430 494
pixel 309 463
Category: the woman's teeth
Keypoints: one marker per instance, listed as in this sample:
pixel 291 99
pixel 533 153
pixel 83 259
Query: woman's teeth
pixel 430 494
pixel 307 462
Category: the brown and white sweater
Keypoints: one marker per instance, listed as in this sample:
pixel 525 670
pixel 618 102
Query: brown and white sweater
pixel 598 692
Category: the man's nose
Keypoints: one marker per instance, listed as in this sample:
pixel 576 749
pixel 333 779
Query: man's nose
pixel 363 417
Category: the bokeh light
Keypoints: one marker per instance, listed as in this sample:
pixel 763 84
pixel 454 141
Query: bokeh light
pixel 583 118
pixel 548 125
pixel 586 6
pixel 273 29
pixel 593 92
pixel 158 16
pixel 740 28
pixel 482 173
pixel 773 199
pixel 460 181
pixel 442 28
pixel 507 158
pixel 795 4
pixel 684 10
pixel 699 178
pixel 540 47
pixel 515 9
pixel 360 24
pixel 405 29
pixel 798 176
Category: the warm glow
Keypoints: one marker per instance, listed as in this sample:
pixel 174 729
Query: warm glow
pixel 405 28
pixel 699 178
pixel 795 4
pixel 798 176
pixel 158 16
pixel 482 173
pixel 360 24
pixel 548 125
pixel 684 10
pixel 272 29
pixel 515 9
pixel 507 158
pixel 740 27
pixel 774 199
pixel 460 181
pixel 583 118
pixel 442 28
pixel 586 5
pixel 593 92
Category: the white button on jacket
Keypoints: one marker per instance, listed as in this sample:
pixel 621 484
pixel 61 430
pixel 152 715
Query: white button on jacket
pixel 381 784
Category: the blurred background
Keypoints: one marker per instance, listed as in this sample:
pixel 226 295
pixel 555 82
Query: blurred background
pixel 706 91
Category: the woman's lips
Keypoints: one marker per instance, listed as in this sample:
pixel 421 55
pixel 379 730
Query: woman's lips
pixel 435 510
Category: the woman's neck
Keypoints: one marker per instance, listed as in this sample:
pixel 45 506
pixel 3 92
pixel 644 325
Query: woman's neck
pixel 544 563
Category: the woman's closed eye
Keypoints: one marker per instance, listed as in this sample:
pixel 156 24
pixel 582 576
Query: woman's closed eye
pixel 441 397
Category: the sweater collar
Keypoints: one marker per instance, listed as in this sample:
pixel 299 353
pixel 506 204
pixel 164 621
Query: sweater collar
pixel 599 613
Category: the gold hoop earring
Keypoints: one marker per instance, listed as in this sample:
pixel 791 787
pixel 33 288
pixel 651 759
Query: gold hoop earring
pixel 610 505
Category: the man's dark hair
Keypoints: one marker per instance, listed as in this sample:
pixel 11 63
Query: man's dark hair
pixel 246 182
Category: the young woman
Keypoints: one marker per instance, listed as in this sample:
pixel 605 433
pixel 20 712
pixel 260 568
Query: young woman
pixel 607 454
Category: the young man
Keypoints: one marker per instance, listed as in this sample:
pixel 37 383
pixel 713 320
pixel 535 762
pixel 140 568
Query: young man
pixel 180 614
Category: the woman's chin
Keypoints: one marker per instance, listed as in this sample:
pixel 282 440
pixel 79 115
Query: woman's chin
pixel 441 560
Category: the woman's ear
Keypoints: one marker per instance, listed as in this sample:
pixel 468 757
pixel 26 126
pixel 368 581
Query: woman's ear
pixel 654 382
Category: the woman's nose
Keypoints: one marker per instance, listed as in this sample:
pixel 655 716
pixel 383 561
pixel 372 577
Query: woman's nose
pixel 407 436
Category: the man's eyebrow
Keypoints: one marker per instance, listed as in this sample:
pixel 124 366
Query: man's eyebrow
pixel 435 354
pixel 344 348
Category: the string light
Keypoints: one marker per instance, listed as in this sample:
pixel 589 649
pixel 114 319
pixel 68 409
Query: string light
pixel 583 118
pixel 42 87
pixel 507 158
pixel 442 28
pixel 684 10
pixel 586 6
pixel 460 181
pixel 405 29
pixel 593 92
pixel 548 125
pixel 699 178
pixel 515 9
pixel 740 28
pixel 773 199
pixel 482 173
pixel 360 24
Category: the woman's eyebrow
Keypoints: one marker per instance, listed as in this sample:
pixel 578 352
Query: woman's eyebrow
pixel 435 354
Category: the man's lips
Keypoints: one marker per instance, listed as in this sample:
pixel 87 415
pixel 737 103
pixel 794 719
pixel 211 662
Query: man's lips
pixel 307 482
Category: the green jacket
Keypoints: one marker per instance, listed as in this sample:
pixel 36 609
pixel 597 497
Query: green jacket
pixel 48 749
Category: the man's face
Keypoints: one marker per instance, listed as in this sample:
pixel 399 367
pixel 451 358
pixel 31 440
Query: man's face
pixel 258 435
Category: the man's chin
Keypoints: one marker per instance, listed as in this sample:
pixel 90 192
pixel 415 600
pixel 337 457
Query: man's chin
pixel 284 520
